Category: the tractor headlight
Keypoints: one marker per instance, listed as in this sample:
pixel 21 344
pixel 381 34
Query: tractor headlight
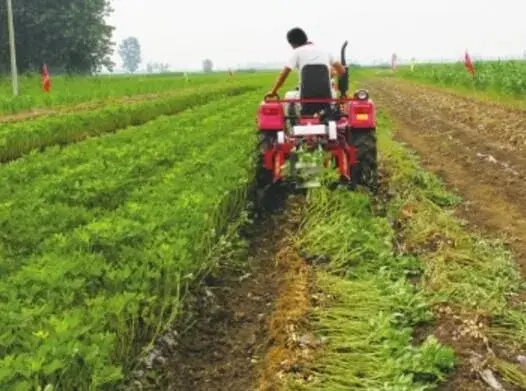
pixel 361 95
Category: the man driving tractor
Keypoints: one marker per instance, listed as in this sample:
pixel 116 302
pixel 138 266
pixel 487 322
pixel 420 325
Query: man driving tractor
pixel 304 53
pixel 315 118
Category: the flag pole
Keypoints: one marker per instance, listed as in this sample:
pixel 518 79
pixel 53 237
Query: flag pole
pixel 11 27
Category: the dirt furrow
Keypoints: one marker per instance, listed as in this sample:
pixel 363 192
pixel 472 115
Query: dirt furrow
pixel 475 147
pixel 238 336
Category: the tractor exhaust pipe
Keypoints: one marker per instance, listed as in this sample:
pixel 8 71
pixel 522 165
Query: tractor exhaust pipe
pixel 343 80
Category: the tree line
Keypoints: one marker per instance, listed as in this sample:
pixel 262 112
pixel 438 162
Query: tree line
pixel 68 36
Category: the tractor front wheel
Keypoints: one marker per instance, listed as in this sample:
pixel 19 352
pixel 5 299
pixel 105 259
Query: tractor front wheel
pixel 265 189
pixel 365 172
pixel 263 175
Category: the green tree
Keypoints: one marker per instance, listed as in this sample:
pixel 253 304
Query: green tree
pixel 157 67
pixel 130 52
pixel 208 65
pixel 68 36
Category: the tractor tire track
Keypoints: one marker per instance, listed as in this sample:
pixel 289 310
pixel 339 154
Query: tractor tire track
pixel 476 147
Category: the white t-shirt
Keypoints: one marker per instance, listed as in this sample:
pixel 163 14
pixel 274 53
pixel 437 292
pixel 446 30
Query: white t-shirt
pixel 309 54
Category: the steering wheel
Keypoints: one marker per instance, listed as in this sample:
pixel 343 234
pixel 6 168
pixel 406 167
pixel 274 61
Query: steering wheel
pixel 269 97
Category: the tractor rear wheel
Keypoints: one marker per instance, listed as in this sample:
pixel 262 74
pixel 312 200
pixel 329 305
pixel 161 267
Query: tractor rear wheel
pixel 365 173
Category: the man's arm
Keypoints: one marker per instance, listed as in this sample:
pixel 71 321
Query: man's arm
pixel 291 64
pixel 281 79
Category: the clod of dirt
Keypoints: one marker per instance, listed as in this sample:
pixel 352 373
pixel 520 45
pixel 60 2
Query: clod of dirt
pixel 313 258
pixel 489 158
pixel 169 341
pixel 522 362
pixel 309 340
pixel 488 376
pixel 244 277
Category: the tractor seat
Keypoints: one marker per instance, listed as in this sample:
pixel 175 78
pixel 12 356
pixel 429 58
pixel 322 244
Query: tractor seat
pixel 315 84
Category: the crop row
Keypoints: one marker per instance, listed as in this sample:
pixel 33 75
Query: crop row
pixel 99 239
pixel 19 138
pixel 67 91
pixel 499 76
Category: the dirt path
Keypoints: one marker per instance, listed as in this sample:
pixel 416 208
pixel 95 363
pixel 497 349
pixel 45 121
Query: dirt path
pixel 239 338
pixel 478 148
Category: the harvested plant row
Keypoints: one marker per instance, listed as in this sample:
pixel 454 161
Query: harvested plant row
pixel 472 283
pixel 19 138
pixel 368 308
pixel 99 240
pixel 407 293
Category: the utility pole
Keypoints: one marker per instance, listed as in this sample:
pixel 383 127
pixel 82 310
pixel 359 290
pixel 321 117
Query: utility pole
pixel 11 27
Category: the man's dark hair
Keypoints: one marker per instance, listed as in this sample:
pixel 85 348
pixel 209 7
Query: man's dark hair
pixel 296 37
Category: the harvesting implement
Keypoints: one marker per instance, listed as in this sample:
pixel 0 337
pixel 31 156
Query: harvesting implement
pixel 313 130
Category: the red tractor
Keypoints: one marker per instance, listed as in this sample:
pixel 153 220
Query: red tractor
pixel 313 130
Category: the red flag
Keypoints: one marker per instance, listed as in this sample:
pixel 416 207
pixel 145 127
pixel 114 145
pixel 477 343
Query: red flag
pixel 46 80
pixel 469 64
pixel 393 62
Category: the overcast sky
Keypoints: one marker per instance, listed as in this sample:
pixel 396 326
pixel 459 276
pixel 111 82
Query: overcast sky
pixel 230 32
